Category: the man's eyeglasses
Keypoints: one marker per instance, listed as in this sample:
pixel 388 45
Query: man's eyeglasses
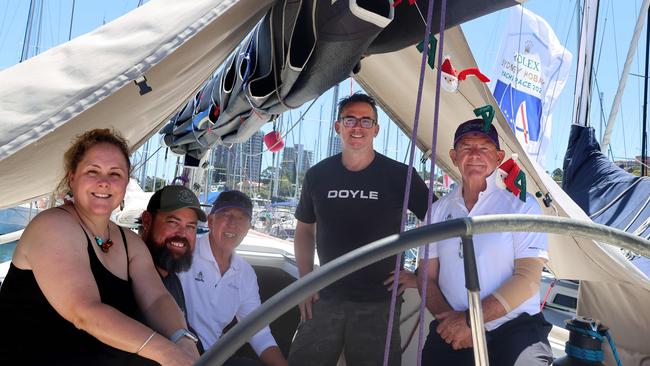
pixel 350 121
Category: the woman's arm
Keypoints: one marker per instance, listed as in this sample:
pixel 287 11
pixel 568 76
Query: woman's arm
pixel 55 248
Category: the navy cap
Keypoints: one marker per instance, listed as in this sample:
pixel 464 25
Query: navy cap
pixel 476 127
pixel 234 198
pixel 171 198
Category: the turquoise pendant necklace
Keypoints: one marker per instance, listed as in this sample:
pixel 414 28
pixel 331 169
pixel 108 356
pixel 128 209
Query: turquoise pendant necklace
pixel 104 245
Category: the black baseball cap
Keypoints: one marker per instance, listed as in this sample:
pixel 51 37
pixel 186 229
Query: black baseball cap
pixel 171 198
pixel 234 198
pixel 476 127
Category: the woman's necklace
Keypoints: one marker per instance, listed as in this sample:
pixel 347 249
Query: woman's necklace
pixel 105 245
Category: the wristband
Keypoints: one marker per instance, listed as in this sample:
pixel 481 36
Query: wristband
pixel 183 333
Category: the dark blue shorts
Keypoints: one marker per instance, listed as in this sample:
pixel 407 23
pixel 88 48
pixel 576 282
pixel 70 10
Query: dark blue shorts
pixel 522 341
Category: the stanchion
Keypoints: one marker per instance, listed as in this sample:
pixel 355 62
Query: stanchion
pixel 474 300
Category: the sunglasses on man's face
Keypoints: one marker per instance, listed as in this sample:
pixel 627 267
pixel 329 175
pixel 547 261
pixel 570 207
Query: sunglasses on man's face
pixel 350 121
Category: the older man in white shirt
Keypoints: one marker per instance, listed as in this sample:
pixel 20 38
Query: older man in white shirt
pixel 220 285
pixel 509 265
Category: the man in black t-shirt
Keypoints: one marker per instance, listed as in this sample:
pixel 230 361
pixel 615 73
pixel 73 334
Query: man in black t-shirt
pixel 349 200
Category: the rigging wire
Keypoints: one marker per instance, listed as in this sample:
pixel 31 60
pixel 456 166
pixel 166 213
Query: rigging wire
pixel 600 48
pixel 406 153
pixel 618 72
pixel 560 12
pixel 489 46
pixel 566 128
pixel 11 22
pixel 434 142
pixel 71 20
pixel 578 30
pixel 4 16
pixel 600 53
pixel 418 102
pixel 638 83
pixel 59 11
pixel 47 14
pixel 39 29
pixel 28 32
pixel 544 123
pixel 141 164
pixel 512 114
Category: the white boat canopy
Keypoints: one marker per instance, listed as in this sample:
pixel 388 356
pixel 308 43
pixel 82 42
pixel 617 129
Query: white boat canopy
pixel 89 83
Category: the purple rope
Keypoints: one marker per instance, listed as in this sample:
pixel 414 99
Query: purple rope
pixel 409 176
pixel 434 140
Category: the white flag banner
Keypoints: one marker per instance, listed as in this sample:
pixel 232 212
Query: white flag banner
pixel 530 73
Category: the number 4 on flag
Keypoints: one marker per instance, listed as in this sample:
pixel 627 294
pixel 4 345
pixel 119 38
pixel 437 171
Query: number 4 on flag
pixel 511 177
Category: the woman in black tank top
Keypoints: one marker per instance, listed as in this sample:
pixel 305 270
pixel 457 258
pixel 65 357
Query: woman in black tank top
pixel 80 289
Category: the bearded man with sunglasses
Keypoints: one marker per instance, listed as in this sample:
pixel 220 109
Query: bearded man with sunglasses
pixel 349 200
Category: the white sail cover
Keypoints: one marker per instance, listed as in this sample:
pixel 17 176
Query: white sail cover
pixel 612 289
pixel 89 83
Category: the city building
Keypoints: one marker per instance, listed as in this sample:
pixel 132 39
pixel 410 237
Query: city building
pixel 238 163
pixel 333 143
pixel 296 159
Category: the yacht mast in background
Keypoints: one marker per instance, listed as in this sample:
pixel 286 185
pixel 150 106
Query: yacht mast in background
pixel 611 121
pixel 584 72
pixel 35 13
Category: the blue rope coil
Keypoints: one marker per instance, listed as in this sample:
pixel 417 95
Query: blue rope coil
pixel 583 353
pixel 590 354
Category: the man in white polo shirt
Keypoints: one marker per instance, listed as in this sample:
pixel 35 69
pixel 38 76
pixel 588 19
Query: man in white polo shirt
pixel 509 265
pixel 220 285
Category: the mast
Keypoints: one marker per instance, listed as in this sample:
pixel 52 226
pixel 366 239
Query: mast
pixel 240 152
pixel 155 172
pixel 645 103
pixel 335 98
pixel 611 121
pixel 37 48
pixel 396 144
pixel 387 137
pixel 585 63
pixel 275 163
pixel 318 138
pixel 71 20
pixel 298 160
pixel 35 9
pixel 143 167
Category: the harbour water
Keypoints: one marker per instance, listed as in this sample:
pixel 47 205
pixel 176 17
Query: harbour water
pixel 12 219
pixel 7 250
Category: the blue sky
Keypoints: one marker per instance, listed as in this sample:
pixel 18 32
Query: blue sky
pixel 616 25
